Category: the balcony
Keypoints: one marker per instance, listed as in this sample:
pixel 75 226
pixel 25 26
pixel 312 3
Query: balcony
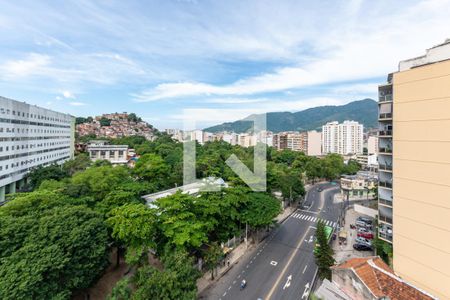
pixel 385 133
pixel 385 184
pixel 385 150
pixel 385 236
pixel 385 201
pixel 385 116
pixel 385 219
pixel 385 98
pixel 384 167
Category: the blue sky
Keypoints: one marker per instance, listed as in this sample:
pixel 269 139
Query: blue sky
pixel 208 61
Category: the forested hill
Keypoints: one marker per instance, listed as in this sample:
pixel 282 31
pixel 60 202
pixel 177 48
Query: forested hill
pixel 363 111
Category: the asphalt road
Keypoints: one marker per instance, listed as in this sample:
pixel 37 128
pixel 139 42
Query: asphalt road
pixel 283 266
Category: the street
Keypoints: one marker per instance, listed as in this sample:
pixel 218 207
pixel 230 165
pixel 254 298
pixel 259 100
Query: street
pixel 283 266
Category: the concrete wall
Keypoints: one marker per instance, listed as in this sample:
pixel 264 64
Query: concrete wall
pixel 421 168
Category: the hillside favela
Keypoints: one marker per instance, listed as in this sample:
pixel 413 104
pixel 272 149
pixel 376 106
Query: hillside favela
pixel 193 149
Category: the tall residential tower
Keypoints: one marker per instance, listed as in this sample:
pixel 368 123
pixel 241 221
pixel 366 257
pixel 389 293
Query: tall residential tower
pixel 414 169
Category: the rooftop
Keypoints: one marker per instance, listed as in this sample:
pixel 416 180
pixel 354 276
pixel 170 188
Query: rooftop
pixel 380 279
pixel 435 54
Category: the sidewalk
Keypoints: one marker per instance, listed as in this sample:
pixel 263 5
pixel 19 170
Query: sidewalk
pixel 236 254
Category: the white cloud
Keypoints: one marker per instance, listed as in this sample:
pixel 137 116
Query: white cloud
pixel 68 95
pixel 77 103
pixel 32 64
pixel 364 47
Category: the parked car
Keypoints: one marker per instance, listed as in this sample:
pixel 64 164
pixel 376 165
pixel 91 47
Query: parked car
pixel 367 235
pixel 361 240
pixel 365 220
pixel 362 247
pixel 319 189
pixel 360 223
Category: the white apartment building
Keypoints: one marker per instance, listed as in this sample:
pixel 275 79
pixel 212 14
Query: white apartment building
pixel 345 138
pixel 116 154
pixel 372 145
pixel 31 136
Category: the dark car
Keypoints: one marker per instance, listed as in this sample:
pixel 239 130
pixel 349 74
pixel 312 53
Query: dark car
pixel 365 220
pixel 362 247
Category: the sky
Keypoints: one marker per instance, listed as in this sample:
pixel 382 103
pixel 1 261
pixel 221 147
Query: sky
pixel 207 61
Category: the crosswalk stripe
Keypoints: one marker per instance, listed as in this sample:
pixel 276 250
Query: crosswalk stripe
pixel 328 223
pixel 303 217
pixel 314 220
pixel 295 215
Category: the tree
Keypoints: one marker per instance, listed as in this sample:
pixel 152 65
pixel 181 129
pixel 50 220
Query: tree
pixel 313 169
pixel 323 252
pixel 105 122
pixel 212 256
pixel 185 221
pixel 260 210
pixel 134 225
pixel 40 174
pixel 65 249
pixel 80 163
pixel 176 281
pixel 151 167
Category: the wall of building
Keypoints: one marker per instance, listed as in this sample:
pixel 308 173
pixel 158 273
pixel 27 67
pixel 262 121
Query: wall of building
pixel 31 136
pixel 421 168
pixel 314 143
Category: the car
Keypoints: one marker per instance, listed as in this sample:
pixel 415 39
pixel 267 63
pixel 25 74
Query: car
pixel 362 224
pixel 362 247
pixel 367 235
pixel 361 240
pixel 365 220
pixel 319 189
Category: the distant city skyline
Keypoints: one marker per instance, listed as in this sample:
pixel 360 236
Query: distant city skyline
pixel 221 61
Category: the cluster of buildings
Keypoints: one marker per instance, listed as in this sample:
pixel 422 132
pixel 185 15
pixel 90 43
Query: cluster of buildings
pixel 120 125
pixel 31 136
pixel 346 138
pixel 414 169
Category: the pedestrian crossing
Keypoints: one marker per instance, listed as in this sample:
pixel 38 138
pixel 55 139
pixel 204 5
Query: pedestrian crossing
pixel 313 219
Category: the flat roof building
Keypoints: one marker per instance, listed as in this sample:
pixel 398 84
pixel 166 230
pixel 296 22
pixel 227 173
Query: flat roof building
pixel 31 136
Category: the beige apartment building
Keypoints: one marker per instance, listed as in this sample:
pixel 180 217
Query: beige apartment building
pixel 414 171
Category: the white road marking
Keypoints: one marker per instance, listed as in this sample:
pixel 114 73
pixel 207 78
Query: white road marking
pixel 273 263
pixel 304 269
pixel 229 288
pixel 224 294
pixel 313 219
pixel 288 282
pixel 306 291
pixel 234 281
pixel 239 276
pixel 304 217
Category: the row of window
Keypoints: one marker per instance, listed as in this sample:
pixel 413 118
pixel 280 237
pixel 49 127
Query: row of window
pixel 32 116
pixel 30 130
pixel 27 169
pixel 6 157
pixel 32 138
pixel 31 161
pixel 31 146
pixel 26 122
pixel 103 153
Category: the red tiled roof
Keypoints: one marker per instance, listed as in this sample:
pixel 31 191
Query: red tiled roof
pixel 381 280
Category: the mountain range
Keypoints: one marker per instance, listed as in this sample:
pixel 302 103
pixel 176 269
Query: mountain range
pixel 364 111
